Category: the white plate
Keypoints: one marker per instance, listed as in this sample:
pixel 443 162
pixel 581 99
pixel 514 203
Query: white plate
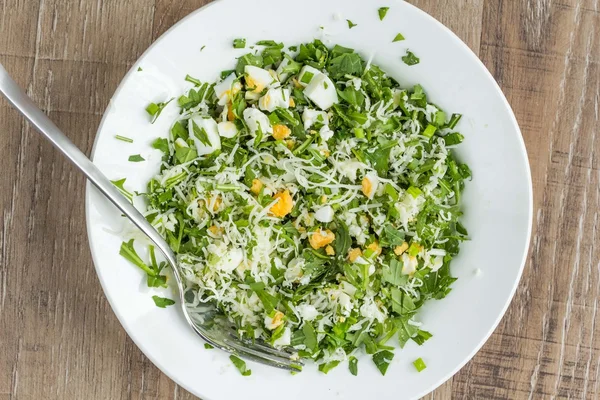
pixel 497 203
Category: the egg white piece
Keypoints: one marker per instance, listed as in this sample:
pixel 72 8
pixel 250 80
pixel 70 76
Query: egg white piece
pixel 258 79
pixel 324 214
pixel 209 126
pixel 326 133
pixel 373 178
pixel 311 117
pixel 227 129
pixel 275 97
pixel 226 89
pixel 321 91
pixel 280 70
pixel 312 73
pixel 231 260
pixel 256 119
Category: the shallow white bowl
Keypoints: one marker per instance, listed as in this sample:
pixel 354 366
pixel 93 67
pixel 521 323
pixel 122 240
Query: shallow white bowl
pixel 497 203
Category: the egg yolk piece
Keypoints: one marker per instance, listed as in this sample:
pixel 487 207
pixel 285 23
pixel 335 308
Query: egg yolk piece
pixel 321 238
pixel 284 206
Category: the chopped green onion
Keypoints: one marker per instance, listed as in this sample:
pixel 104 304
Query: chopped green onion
pixel 419 364
pixel 429 131
pixel 123 138
pixel 351 24
pixel 208 346
pixel 239 43
pixel 414 191
pixel 193 80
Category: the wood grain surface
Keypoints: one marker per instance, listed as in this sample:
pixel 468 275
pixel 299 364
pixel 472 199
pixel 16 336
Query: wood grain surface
pixel 59 338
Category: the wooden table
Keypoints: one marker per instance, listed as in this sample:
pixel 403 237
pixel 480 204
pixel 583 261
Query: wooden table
pixel 59 338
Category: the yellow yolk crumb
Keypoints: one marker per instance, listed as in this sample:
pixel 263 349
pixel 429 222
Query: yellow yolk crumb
pixel 353 254
pixel 252 84
pixel 216 231
pixel 284 206
pixel 292 102
pixel 230 114
pixel 281 132
pixel 256 186
pixel 329 250
pixel 375 248
pixel 367 187
pixel 321 238
pixel 398 250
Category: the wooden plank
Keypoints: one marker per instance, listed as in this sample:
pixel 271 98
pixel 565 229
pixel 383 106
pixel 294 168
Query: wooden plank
pixel 59 338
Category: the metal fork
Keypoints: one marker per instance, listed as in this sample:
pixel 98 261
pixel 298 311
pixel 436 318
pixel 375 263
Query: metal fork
pixel 209 328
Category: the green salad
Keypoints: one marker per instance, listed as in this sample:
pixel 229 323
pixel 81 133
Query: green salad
pixel 313 199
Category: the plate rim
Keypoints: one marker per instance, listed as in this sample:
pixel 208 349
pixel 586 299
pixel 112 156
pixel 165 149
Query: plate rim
pixel 474 58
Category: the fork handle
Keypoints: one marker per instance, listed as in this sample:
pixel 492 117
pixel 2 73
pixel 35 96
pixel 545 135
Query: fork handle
pixel 23 103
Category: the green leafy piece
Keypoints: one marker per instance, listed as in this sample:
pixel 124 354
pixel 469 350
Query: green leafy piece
pixel 454 120
pixel 162 145
pixel 343 240
pixel 393 273
pixel 382 360
pixel 128 252
pixel 120 184
pixel 185 154
pixel 399 37
pixel 136 158
pixel 351 24
pixel 239 43
pixel 352 96
pixel 307 77
pixel 345 64
pixel 414 191
pixel 421 337
pixel 200 134
pixel 393 236
pixel 248 59
pixel 452 139
pixel 208 346
pixel 240 365
pixel 410 59
pixel 123 139
pixel 429 131
pixel 419 364
pixel 139 69
pixel 326 367
pixel 162 302
pixel 155 109
pixel 353 365
pixel 382 12
pixel 310 336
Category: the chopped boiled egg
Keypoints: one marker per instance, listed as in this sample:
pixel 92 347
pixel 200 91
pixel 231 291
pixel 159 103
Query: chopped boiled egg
pixel 227 88
pixel 275 321
pixel 350 168
pixel 281 132
pixel 275 97
pixel 205 132
pixel 307 312
pixel 258 79
pixel 369 184
pixel 324 214
pixel 256 186
pixel 326 133
pixel 353 254
pixel 285 339
pixel 307 74
pixel 410 264
pixel 321 238
pixel 311 117
pixel 322 92
pixel 329 250
pixel 281 73
pixel 284 204
pixel 227 129
pixel 230 261
pixel 255 120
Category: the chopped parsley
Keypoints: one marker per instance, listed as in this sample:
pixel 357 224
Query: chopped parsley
pixel 154 109
pixel 240 365
pixel 410 59
pixel 351 24
pixel 382 12
pixel 136 158
pixel 399 37
pixel 162 302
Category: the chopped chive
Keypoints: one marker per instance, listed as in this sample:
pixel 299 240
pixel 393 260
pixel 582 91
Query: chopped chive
pixel 382 12
pixel 410 59
pixel 136 158
pixel 419 364
pixel 351 24
pixel 454 120
pixel 123 138
pixel 399 37
pixel 202 48
pixel 227 188
pixel 239 43
pixel 193 80
pixel 414 191
pixel 359 133
pixel 155 109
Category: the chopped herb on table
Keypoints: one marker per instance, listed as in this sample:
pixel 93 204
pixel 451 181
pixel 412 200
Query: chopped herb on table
pixel 315 200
